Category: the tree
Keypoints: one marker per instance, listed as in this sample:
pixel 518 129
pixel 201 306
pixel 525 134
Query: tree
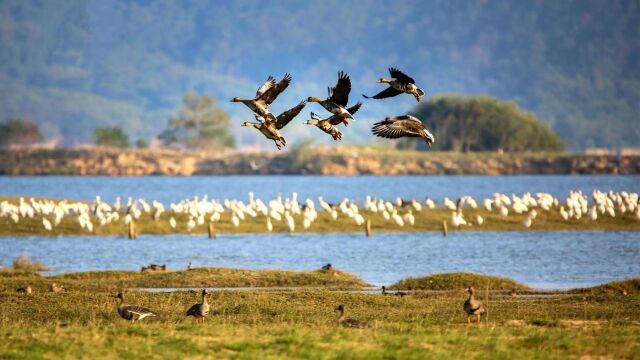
pixel 200 124
pixel 111 136
pixel 482 123
pixel 142 144
pixel 19 132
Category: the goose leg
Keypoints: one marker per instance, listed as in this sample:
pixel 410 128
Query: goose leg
pixel 468 319
pixel 277 145
pixel 478 319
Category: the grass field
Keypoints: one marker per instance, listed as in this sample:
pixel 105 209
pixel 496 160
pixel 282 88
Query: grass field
pixel 82 322
pixel 425 220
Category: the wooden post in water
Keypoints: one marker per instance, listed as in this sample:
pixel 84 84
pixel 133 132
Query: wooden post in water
pixel 367 227
pixel 445 232
pixel 212 230
pixel 133 234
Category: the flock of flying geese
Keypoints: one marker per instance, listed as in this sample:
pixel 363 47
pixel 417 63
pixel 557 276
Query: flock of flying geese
pixel 337 104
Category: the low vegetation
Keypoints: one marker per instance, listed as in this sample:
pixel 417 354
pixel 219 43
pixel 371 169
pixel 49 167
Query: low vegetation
pixel 81 321
pixel 458 280
pixel 24 263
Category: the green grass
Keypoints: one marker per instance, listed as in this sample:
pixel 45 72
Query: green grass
pixel 426 220
pixel 112 281
pixel 459 280
pixel 301 324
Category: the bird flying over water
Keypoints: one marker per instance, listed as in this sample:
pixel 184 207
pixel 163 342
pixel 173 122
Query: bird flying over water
pixel 338 98
pixel 402 126
pixel 401 83
pixel 266 94
pixel 269 126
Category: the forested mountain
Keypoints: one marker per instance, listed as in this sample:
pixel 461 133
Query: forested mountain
pixel 71 66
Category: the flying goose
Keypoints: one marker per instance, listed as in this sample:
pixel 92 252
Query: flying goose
pixel 132 312
pixel 265 95
pixel 200 310
pixel 401 83
pixel 269 127
pixel 473 307
pixel 402 126
pixel 338 98
pixel 348 322
pixel 325 125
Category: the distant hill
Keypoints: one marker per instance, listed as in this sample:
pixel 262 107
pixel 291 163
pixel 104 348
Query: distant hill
pixel 73 65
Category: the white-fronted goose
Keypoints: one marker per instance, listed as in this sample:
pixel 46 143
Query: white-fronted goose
pixel 401 83
pixel 473 307
pixel 402 126
pixel 200 310
pixel 27 289
pixel 265 95
pixel 348 322
pixel 338 98
pixel 55 287
pixel 132 312
pixel 325 125
pixel 269 127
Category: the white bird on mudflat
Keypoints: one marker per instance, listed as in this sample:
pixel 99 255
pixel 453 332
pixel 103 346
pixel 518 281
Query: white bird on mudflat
pixel 269 225
pixel 564 214
pixel 191 224
pixel 409 218
pixel 290 221
pixel 397 218
pixel 593 213
pixel 527 222
pixel 430 203
pixel 275 215
pixel 334 214
pixel 47 224
pixel 457 219
pixel 385 215
pixel 172 222
pixel 235 220
pixel 449 204
pixel 504 211
pixel 479 220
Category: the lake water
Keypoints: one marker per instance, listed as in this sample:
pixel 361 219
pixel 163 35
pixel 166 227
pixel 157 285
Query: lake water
pixel 332 188
pixel 545 260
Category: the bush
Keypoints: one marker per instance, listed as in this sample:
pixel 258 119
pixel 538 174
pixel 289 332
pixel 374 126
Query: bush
pixel 483 123
pixel 111 136
pixel 19 132
pixel 25 263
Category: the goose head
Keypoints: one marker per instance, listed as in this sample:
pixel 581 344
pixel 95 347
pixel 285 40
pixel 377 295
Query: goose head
pixel 236 99
pixel 314 99
pixel 470 290
pixel 311 122
pixel 340 308
pixel 384 81
pixel 246 123
pixel 119 296
pixel 205 292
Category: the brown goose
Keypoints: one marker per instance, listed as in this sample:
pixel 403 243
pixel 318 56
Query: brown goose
pixel 269 127
pixel 473 307
pixel 338 98
pixel 132 312
pixel 265 95
pixel 401 83
pixel 200 310
pixel 325 125
pixel 402 126
pixel 348 322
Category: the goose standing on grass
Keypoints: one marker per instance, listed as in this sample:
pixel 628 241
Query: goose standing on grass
pixel 401 83
pixel 348 322
pixel 132 312
pixel 473 307
pixel 265 95
pixel 402 126
pixel 269 127
pixel 338 99
pixel 201 310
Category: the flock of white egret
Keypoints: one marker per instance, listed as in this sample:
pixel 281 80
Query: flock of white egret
pixel 198 211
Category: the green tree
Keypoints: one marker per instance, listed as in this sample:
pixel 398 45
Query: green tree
pixel 111 136
pixel 19 132
pixel 200 124
pixel 482 123
pixel 142 144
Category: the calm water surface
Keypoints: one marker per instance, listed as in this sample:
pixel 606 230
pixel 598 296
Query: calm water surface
pixel 332 188
pixel 549 260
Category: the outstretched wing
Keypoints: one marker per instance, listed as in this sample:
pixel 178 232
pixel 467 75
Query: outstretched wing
pixel 271 82
pixel 339 94
pixel 272 93
pixel 397 74
pixel 401 126
pixel 386 93
pixel 354 109
pixel 284 118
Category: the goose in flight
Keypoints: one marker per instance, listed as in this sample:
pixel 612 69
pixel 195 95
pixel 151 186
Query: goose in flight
pixel 338 98
pixel 269 126
pixel 265 95
pixel 401 83
pixel 325 125
pixel 402 126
